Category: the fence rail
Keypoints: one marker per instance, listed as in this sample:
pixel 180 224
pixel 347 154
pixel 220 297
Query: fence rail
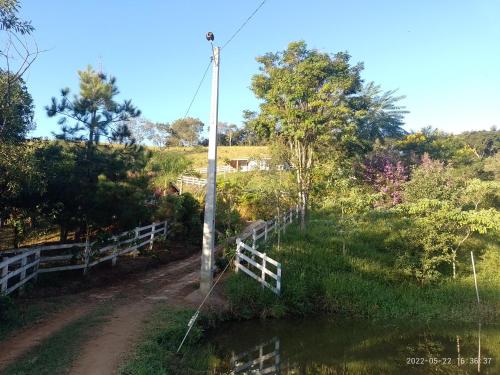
pixel 19 266
pixel 223 169
pixel 256 264
pixel 190 180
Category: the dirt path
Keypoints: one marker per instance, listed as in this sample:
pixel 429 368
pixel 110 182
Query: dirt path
pixel 29 338
pixel 103 354
pixel 134 301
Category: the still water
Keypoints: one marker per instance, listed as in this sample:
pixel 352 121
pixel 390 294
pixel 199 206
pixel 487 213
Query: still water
pixel 326 346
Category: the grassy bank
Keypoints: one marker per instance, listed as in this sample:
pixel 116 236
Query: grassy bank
pixel 56 354
pixel 156 353
pixel 364 281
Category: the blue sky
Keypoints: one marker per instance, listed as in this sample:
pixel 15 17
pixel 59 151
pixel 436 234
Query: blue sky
pixel 443 55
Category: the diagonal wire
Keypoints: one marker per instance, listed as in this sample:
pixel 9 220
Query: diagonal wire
pixel 244 23
pixel 198 88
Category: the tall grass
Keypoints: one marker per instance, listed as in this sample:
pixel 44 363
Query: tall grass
pixel 364 281
pixel 156 352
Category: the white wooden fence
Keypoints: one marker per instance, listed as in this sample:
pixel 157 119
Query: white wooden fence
pixel 262 359
pixel 190 180
pixel 21 265
pixel 256 264
pixel 223 169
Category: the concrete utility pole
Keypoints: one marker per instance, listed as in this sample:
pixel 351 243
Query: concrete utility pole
pixel 207 254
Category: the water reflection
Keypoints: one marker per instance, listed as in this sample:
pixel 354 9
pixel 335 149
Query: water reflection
pixel 323 346
pixel 261 359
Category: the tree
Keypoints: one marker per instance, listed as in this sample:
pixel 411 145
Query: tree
pixel 17 54
pixel 21 185
pixel 312 100
pixel 88 165
pixel 186 131
pixel 16 109
pixel 95 112
pixel 144 131
pixel 226 133
pixel 447 209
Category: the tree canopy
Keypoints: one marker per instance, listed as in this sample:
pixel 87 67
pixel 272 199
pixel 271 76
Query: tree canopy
pixel 94 112
pixel 312 100
pixel 16 109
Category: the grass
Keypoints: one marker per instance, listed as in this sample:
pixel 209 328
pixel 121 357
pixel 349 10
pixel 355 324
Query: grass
pixel 156 353
pixel 16 314
pixel 365 282
pixel 198 154
pixel 56 354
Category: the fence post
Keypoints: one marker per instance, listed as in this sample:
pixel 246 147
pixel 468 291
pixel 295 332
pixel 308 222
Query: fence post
pixel 291 216
pixel 265 232
pixel 152 238
pixel 35 269
pixel 278 278
pixel 24 261
pixel 254 239
pixel 165 228
pixel 263 276
pixel 86 255
pixel 115 256
pixel 297 211
pixel 276 223
pixel 3 275
pixel 237 256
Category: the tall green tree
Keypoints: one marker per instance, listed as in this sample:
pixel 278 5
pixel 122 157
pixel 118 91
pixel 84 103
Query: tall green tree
pixel 312 99
pixel 94 112
pixel 17 52
pixel 96 169
pixel 186 131
pixel 16 109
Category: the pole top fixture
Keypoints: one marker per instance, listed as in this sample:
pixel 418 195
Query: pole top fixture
pixel 210 36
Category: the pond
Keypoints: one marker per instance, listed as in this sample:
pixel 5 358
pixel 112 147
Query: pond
pixel 326 346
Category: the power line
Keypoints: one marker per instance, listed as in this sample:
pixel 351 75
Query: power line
pixel 199 86
pixel 244 23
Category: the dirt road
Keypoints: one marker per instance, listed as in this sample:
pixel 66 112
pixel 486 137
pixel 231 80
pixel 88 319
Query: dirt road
pixel 103 353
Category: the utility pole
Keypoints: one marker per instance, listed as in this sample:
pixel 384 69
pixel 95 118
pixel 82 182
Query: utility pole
pixel 207 254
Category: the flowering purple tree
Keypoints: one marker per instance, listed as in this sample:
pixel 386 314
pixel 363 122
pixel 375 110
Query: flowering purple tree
pixel 387 175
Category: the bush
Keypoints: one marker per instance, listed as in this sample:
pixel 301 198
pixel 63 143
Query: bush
pixel 184 214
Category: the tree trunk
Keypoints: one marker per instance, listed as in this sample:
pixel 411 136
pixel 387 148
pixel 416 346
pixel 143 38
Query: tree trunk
pixel 453 259
pixel 63 234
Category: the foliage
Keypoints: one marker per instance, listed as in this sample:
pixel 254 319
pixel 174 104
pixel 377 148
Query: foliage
pixel 366 282
pixel 18 52
pixel 95 112
pixel 16 109
pixel 166 167
pixel 312 100
pixel 185 131
pixel 386 173
pixel 21 184
pixel 91 184
pixel 226 133
pixel 184 215
pixel 9 19
pixel 146 131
